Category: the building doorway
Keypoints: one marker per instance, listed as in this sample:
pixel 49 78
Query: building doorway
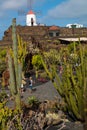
pixel 32 22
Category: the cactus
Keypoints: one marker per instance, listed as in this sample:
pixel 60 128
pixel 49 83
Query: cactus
pixel 12 86
pixel 13 68
pixel 15 63
pixel 72 87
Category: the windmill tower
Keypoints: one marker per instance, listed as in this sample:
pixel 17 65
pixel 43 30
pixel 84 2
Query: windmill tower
pixel 30 17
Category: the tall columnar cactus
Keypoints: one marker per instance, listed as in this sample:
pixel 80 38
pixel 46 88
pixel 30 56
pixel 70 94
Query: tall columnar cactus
pixel 22 51
pixel 72 86
pixel 15 63
pixel 13 68
pixel 12 86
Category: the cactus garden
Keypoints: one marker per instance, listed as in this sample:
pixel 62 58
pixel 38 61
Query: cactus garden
pixel 59 102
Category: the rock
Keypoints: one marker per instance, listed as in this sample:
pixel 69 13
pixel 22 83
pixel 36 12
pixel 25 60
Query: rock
pixel 35 127
pixel 41 120
pixel 56 122
pixel 50 121
pixel 31 113
pixel 43 123
pixel 61 114
pixel 42 107
pixel 53 115
pixel 53 119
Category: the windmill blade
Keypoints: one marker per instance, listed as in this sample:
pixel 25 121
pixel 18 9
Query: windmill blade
pixel 22 12
pixel 38 12
pixel 30 4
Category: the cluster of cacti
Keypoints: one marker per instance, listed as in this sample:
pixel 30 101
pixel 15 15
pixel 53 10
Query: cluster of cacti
pixel 15 63
pixel 52 56
pixel 22 51
pixel 72 84
pixel 4 114
pixel 37 64
pixel 2 60
pixel 9 119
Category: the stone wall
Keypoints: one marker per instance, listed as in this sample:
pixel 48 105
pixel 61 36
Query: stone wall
pixel 40 33
pixel 73 32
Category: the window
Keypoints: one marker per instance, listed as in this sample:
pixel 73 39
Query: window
pixel 57 34
pixel 51 34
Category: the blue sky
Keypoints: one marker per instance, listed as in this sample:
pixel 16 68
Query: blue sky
pixel 49 12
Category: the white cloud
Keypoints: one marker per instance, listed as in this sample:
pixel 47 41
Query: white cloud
pixel 69 9
pixel 11 5
pixel 66 12
pixel 16 4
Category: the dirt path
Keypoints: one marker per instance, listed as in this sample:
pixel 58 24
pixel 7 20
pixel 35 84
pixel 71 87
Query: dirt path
pixel 45 91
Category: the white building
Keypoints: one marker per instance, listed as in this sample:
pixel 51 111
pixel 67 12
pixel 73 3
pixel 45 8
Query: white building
pixel 75 25
pixel 31 19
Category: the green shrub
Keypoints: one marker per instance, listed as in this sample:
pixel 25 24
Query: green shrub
pixel 33 101
pixel 3 96
pixel 36 62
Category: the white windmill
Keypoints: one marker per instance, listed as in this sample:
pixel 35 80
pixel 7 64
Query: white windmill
pixel 30 16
